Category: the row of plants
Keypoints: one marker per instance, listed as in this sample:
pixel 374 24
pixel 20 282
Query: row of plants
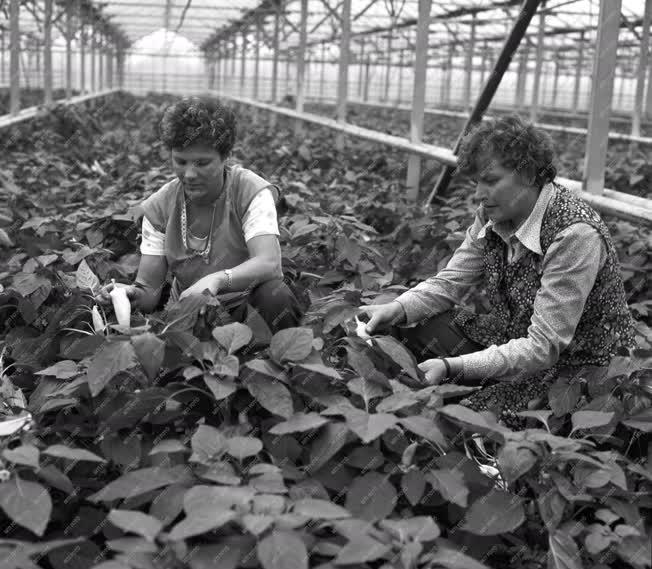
pixel 174 443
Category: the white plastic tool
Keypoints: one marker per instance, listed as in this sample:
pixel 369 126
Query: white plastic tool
pixel 121 305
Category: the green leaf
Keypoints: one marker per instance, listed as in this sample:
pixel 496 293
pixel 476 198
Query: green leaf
pixel 299 423
pixel 228 366
pixel 563 552
pixel 168 446
pixel 207 443
pixel 283 550
pixel 200 522
pixel 551 508
pixel 150 350
pixel 397 401
pixel 495 513
pixel 361 549
pixel 453 559
pixel 228 552
pixel 469 419
pixel 136 522
pixel 320 509
pixel 425 428
pixel 365 368
pixel 62 451
pixel 590 419
pixel 564 396
pixel 450 485
pixel 233 336
pixel 399 354
pixel 515 459
pixel 641 421
pixel 220 388
pixel 320 368
pixel 26 503
pixel 369 426
pixel 291 344
pixel 635 550
pixel 243 447
pixel 413 484
pixel 257 523
pixel 266 367
pixel 64 369
pixel 371 497
pixel 208 508
pixel 329 441
pixel 109 361
pixel 199 498
pixel 419 528
pixel 540 414
pixel 367 390
pixel 271 394
pixel 137 482
pixel 25 454
pixel 85 278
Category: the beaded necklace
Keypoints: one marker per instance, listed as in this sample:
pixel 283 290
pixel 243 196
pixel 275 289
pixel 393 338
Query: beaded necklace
pixel 205 252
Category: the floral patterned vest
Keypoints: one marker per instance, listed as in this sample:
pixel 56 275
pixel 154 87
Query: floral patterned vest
pixel 606 323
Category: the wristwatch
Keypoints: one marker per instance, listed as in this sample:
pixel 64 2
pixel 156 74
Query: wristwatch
pixel 229 278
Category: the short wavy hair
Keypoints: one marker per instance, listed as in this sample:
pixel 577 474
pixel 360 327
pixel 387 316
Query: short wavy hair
pixel 199 120
pixel 515 144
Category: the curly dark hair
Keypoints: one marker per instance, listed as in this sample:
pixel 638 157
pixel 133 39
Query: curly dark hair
pixel 515 144
pixel 199 120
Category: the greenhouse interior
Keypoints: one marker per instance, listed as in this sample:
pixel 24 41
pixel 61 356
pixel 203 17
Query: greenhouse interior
pixel 301 284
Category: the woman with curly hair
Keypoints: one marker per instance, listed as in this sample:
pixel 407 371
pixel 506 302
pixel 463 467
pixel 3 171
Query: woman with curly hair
pixel 549 270
pixel 214 226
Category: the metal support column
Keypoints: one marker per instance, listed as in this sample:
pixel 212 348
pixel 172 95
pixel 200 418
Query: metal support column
pixel 343 70
pixel 257 59
pixel 121 66
pixel 82 52
pixel 534 107
pixel 521 80
pixel 388 69
pixel 485 61
pixel 100 62
pixel 641 71
pixel 516 34
pixel 470 52
pixel 604 66
pixel 93 58
pixel 648 97
pixel 448 82
pixel 418 96
pixel 322 71
pixel 14 57
pixel 555 84
pixel 69 6
pixel 301 65
pixel 361 68
pixel 367 71
pixel 243 63
pixel 47 53
pixel 275 47
pixel 578 73
pixel 401 62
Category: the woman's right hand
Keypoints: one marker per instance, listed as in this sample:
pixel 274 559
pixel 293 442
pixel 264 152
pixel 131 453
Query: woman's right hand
pixel 382 315
pixel 103 296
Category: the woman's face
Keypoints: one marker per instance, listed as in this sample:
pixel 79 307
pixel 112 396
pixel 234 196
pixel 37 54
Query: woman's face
pixel 200 170
pixel 503 192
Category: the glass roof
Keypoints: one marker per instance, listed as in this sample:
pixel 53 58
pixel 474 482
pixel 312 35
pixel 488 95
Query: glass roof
pixel 381 29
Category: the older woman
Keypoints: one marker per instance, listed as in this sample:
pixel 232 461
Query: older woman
pixel 549 270
pixel 213 226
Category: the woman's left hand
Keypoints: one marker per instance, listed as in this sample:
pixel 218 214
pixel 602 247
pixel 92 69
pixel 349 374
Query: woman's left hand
pixel 434 370
pixel 209 282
